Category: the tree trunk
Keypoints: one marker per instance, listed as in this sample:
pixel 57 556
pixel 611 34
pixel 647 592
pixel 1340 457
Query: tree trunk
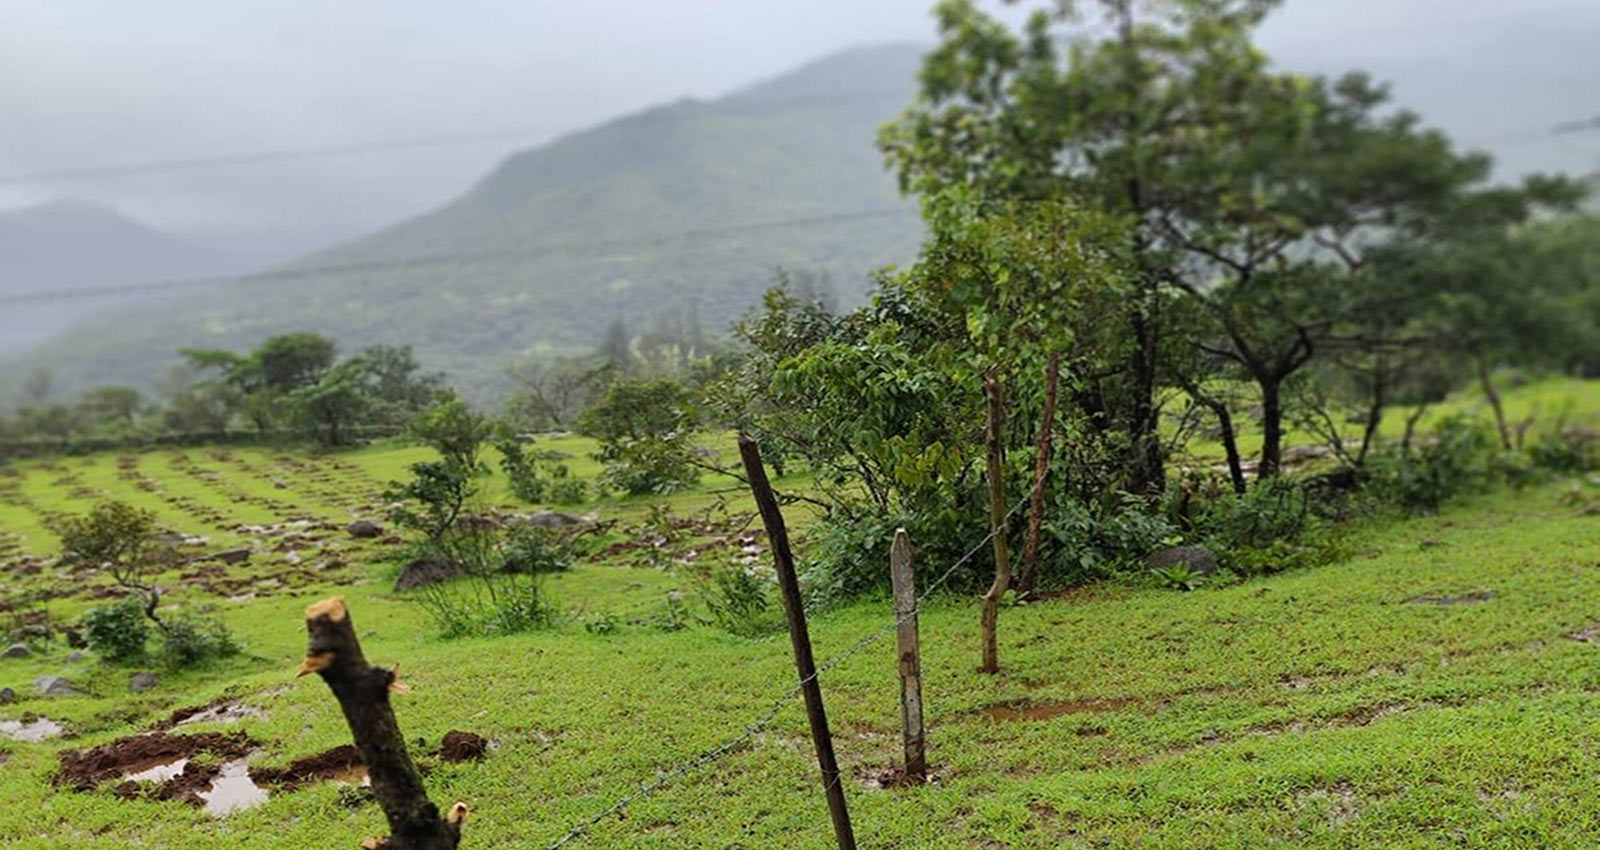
pixel 1374 415
pixel 1271 426
pixel 1486 382
pixel 997 522
pixel 363 694
pixel 1041 468
pixel 1230 439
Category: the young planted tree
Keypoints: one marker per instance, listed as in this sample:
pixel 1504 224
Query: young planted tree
pixel 121 540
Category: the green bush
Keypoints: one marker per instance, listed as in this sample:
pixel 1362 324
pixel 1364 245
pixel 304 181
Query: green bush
pixel 1458 453
pixel 532 550
pixel 1568 450
pixel 118 631
pixel 740 602
pixel 648 465
pixel 192 639
pixel 486 599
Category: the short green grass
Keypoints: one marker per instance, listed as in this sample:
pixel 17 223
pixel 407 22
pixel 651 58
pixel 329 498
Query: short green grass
pixel 1318 708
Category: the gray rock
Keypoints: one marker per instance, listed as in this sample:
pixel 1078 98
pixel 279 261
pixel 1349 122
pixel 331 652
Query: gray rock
pixel 364 529
pixel 1198 558
pixel 75 656
pixel 7 695
pixel 425 571
pixel 55 686
pixel 233 556
pixel 32 631
pixel 16 650
pixel 141 682
pixel 552 519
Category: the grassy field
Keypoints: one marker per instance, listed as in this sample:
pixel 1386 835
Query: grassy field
pixel 1438 688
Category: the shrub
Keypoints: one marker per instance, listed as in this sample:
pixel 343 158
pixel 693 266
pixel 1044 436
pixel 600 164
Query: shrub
pixel 1100 539
pixel 648 465
pixel 1459 452
pixel 538 476
pixel 532 550
pixel 194 639
pixel 739 602
pixel 118 631
pixel 434 498
pixel 1568 450
pixel 486 599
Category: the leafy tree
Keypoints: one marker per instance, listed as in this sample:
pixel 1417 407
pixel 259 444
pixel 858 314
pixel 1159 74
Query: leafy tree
pixel 1256 194
pixel 335 403
pixel 645 428
pixel 120 539
pixel 395 380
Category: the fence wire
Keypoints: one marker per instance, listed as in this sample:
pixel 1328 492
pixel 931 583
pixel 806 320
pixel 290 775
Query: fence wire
pixel 764 720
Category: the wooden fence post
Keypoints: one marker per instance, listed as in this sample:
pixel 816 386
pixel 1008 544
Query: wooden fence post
pixel 805 665
pixel 905 615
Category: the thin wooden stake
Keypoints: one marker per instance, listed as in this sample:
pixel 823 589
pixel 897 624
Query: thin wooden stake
pixel 905 614
pixel 805 666
pixel 997 522
pixel 1041 467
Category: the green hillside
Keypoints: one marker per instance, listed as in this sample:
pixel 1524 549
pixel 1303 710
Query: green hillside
pixel 688 208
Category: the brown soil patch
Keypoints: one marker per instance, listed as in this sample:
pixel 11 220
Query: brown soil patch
pixel 1463 599
pixel 1028 710
pixel 342 763
pixel 463 746
pixel 83 770
pixel 892 777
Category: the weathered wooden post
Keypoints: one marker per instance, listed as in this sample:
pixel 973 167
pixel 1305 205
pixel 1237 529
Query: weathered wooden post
pixel 363 693
pixel 997 521
pixel 905 616
pixel 805 665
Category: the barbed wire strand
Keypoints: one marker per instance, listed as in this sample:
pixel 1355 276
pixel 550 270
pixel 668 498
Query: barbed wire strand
pixel 763 721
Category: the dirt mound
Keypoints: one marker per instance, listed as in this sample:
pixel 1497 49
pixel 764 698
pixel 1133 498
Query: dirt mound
pixel 82 770
pixel 342 763
pixel 463 746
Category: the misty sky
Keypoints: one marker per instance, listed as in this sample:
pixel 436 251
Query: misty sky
pixel 88 83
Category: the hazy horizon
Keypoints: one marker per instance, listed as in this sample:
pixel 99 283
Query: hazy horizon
pixel 173 80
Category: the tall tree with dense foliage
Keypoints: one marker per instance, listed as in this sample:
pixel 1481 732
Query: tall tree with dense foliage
pixel 1255 193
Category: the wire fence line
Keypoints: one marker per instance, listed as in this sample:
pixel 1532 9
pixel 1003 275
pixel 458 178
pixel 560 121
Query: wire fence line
pixel 764 720
pixel 449 258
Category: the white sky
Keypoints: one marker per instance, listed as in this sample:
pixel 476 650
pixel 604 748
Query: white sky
pixel 87 83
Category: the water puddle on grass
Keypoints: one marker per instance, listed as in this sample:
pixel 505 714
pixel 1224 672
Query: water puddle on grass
pixel 225 713
pixel 38 729
pixel 232 791
pixel 159 769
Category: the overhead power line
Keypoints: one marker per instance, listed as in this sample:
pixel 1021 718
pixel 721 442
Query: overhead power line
pixel 1577 126
pixel 733 105
pixel 450 258
pixel 255 157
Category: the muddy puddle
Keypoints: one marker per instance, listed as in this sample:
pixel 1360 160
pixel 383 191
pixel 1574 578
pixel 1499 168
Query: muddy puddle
pixel 37 729
pixel 212 770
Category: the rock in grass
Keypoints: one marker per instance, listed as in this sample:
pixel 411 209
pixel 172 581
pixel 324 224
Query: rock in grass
pixel 75 656
pixel 141 682
pixel 75 639
pixel 364 529
pixel 233 556
pixel 7 695
pixel 16 650
pixel 425 571
pixel 552 519
pixel 55 686
pixel 1197 558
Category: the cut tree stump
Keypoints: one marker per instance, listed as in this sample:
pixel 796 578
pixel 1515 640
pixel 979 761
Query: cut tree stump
pixel 363 693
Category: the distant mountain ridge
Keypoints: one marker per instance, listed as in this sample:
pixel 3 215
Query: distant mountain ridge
pixel 69 245
pixel 687 207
